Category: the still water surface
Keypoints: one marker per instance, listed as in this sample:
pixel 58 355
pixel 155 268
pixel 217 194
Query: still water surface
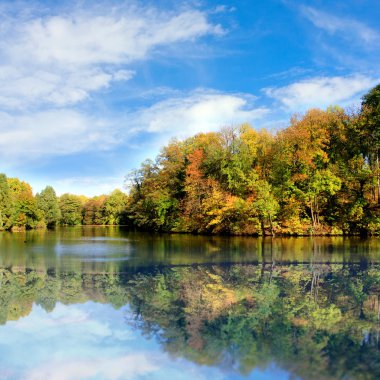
pixel 103 303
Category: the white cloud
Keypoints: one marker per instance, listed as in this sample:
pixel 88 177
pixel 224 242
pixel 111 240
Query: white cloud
pixel 74 342
pixel 113 38
pixel 127 367
pixel 62 59
pixel 52 133
pixel 61 316
pixel 20 87
pixel 199 111
pixel 158 92
pixel 347 27
pixel 89 185
pixel 223 9
pixel 321 91
pixel 60 132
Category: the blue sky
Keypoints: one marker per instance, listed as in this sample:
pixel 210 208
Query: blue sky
pixel 89 89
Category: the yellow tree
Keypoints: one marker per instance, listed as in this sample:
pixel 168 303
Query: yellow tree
pixel 24 205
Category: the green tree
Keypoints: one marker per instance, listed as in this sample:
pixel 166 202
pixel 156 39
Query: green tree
pixel 47 202
pixel 71 209
pixel 5 204
pixel 264 204
pixel 24 205
pixel 115 208
pixel 369 129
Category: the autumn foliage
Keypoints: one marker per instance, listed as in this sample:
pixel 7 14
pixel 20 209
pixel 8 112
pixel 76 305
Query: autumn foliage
pixel 320 175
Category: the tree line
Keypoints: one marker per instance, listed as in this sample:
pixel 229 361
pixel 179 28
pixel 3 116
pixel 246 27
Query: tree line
pixel 20 209
pixel 320 175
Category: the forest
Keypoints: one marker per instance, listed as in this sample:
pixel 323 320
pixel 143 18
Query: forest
pixel 20 209
pixel 318 176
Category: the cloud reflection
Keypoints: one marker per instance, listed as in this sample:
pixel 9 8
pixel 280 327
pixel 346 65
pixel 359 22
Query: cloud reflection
pixel 92 341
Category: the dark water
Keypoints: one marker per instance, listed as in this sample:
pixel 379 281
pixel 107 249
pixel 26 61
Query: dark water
pixel 102 303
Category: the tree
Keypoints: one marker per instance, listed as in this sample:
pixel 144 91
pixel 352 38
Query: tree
pixel 321 186
pixel 264 204
pixel 47 202
pixel 71 209
pixel 115 206
pixel 25 213
pixel 5 204
pixel 369 130
pixel 93 211
pixel 239 154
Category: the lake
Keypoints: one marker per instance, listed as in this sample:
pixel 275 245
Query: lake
pixel 104 303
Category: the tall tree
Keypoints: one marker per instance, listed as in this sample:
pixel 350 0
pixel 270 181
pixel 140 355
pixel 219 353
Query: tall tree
pixel 93 211
pixel 115 208
pixel 370 132
pixel 71 209
pixel 25 211
pixel 5 204
pixel 47 202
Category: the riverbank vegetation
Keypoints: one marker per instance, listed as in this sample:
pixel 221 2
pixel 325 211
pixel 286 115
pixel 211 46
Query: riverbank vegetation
pixel 20 209
pixel 320 175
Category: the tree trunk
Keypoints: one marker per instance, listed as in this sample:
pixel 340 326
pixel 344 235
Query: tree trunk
pixel 262 226
pixel 312 212
pixel 271 225
pixel 316 210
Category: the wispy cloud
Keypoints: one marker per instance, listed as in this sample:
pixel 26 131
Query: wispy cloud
pixel 21 88
pixel 199 111
pixel 223 9
pixel 52 132
pixel 62 59
pixel 345 27
pixel 127 367
pixel 321 91
pixel 88 341
pixel 86 38
pixel 61 132
pixel 52 64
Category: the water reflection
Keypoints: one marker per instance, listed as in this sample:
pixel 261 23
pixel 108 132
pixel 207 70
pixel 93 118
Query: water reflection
pixel 67 248
pixel 252 312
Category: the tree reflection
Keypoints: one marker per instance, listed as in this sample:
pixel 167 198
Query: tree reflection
pixel 317 321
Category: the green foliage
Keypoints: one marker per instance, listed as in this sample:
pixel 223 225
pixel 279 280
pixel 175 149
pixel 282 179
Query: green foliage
pixel 157 189
pixel 47 202
pixel 71 209
pixel 20 209
pixel 5 204
pixel 115 206
pixel 25 213
pixel 321 175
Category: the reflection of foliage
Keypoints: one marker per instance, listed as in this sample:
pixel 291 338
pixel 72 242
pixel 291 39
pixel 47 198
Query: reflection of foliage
pixel 18 291
pixel 317 322
pixel 253 316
